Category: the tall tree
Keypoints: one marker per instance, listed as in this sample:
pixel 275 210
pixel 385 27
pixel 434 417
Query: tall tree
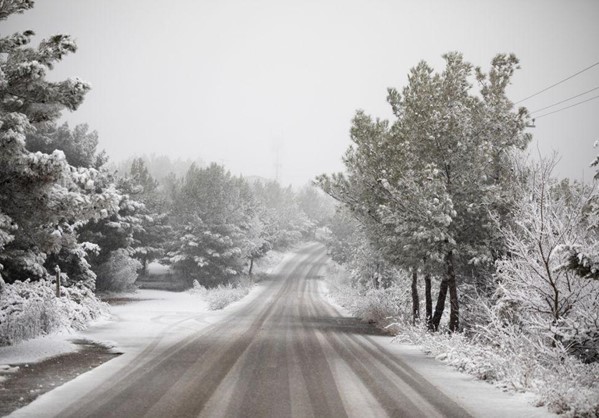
pixel 154 231
pixel 285 223
pixel 428 185
pixel 213 217
pixel 42 197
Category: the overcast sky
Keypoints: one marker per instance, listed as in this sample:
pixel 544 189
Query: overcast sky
pixel 242 81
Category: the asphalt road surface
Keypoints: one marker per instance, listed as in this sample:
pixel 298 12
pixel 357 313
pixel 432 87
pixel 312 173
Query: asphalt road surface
pixel 288 353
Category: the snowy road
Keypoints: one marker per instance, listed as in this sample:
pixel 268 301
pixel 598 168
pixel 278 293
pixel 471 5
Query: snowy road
pixel 287 352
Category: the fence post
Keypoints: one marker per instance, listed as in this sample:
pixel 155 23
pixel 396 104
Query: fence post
pixel 57 269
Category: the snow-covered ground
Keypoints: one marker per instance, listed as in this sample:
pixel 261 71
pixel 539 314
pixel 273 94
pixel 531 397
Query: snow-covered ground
pixel 134 325
pixel 131 327
pixel 478 397
pixel 151 315
pixel 141 329
pixel 155 320
pixel 38 349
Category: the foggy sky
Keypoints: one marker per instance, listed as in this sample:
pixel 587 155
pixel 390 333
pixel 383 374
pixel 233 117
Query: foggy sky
pixel 241 82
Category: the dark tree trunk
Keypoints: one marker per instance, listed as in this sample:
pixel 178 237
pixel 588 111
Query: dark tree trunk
pixel 375 276
pixel 415 298
pixel 57 281
pixel 454 315
pixel 428 301
pixel 251 265
pixel 440 307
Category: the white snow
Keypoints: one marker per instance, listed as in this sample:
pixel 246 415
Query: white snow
pixel 157 319
pixel 37 349
pixel 142 330
pixel 134 324
pixel 479 398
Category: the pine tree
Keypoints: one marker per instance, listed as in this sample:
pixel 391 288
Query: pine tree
pixel 427 187
pixel 79 144
pixel 150 239
pixel 213 222
pixel 43 199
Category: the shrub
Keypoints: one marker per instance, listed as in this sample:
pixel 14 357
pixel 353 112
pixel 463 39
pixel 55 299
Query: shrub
pixel 29 309
pixel 381 306
pixel 513 360
pixel 118 273
pixel 224 294
pixel 494 348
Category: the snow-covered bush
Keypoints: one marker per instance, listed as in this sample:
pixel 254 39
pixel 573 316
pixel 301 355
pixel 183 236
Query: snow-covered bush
pixel 535 292
pixel 29 309
pixel 118 273
pixel 381 306
pixel 507 357
pixel 493 349
pixel 224 294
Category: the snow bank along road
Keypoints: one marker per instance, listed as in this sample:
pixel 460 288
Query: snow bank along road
pixel 285 353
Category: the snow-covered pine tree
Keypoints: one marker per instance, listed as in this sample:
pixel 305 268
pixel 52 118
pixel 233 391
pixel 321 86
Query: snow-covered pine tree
pixel 285 222
pixel 213 215
pixel 150 239
pixel 316 205
pixel 114 237
pixel 43 199
pixel 80 145
pixel 427 187
pixel 584 259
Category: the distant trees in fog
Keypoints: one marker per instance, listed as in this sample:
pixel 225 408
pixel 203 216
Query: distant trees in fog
pixel 62 208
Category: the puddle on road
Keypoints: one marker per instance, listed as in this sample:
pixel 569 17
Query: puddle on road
pixel 31 380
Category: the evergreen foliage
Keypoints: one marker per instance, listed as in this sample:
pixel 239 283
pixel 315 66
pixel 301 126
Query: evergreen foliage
pixel 43 199
pixel 427 186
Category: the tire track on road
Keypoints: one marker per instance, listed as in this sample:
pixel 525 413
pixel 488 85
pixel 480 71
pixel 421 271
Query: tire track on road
pixel 386 377
pixel 285 353
pixel 140 389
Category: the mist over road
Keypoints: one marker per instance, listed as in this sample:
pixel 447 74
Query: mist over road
pixel 286 353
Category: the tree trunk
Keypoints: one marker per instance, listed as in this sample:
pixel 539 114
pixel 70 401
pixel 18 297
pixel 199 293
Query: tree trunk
pixel 454 315
pixel 415 298
pixel 375 276
pixel 428 301
pixel 251 265
pixel 440 307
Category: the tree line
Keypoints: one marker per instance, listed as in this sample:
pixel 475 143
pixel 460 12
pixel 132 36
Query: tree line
pixel 63 210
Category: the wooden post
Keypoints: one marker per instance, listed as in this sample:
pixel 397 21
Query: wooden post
pixel 57 269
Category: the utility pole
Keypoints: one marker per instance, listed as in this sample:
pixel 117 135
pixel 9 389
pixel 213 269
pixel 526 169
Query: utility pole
pixel 277 158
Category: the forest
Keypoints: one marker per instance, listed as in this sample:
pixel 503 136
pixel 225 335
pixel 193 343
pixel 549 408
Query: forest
pixel 444 230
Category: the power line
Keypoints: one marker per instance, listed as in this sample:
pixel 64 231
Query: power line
pixel 559 82
pixel 565 100
pixel 567 107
